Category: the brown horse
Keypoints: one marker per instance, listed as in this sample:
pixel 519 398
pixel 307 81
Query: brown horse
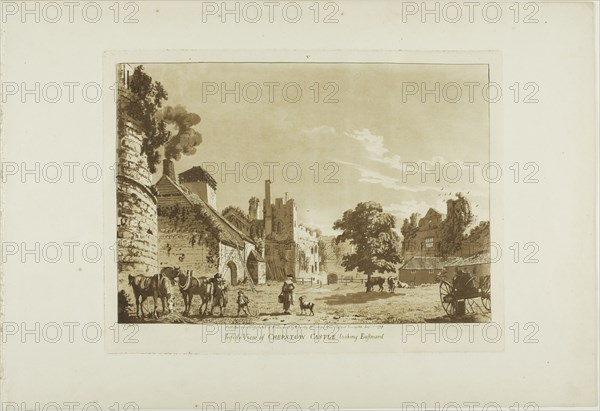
pixel 157 286
pixel 190 286
pixel 172 273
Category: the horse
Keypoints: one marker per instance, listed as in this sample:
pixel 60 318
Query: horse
pixel 157 286
pixel 373 281
pixel 190 286
pixel 171 273
pixel 392 284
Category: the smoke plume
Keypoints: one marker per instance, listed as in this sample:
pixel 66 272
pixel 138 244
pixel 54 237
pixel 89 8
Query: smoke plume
pixel 187 139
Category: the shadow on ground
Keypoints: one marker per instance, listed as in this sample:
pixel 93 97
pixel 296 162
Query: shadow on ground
pixel 356 298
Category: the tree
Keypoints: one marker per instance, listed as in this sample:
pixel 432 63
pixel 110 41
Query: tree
pixel 409 230
pixel 139 103
pixel 324 255
pixel 371 233
pixel 457 220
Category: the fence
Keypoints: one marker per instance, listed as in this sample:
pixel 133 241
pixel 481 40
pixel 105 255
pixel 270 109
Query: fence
pixel 345 281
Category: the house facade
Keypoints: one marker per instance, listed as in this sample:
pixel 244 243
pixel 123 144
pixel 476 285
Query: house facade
pixel 193 235
pixel 427 239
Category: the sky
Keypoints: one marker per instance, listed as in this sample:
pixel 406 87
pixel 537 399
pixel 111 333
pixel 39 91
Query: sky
pixel 361 137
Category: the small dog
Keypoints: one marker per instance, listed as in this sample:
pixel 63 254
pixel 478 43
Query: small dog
pixel 243 303
pixel 306 306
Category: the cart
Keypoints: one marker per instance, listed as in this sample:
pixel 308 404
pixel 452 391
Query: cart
pixel 463 290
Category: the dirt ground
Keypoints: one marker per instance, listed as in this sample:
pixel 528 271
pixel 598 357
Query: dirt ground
pixel 335 303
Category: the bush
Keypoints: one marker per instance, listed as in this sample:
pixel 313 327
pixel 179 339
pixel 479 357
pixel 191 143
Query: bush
pixel 125 307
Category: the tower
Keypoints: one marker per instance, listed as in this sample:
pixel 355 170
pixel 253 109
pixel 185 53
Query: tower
pixel 253 208
pixel 137 224
pixel 268 211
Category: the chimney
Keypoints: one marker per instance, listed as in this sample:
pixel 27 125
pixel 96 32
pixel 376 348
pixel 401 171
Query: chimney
pixel 286 197
pixel 253 208
pixel 201 183
pixel 169 169
pixel 267 208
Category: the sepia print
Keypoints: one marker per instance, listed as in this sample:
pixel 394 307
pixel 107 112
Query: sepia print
pixel 333 193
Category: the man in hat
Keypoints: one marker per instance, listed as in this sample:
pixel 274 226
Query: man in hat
pixel 243 303
pixel 219 293
pixel 287 294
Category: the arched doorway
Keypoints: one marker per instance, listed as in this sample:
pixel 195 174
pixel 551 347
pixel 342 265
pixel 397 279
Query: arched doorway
pixel 233 271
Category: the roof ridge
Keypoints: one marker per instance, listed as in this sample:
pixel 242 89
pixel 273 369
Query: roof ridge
pixel 194 199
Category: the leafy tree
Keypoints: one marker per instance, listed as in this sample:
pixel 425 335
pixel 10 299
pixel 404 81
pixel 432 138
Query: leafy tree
pixel 409 230
pixel 324 254
pixel 480 230
pixel 371 232
pixel 457 220
pixel 139 104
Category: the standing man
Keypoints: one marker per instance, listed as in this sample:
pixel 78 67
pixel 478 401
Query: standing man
pixel 219 286
pixel 287 294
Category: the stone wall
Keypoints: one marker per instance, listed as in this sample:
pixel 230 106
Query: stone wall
pixel 232 263
pixel 281 259
pixel 308 253
pixel 183 238
pixel 136 211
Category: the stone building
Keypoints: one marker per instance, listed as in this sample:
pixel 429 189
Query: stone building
pixel 193 235
pixel 137 244
pixel 421 270
pixel 288 248
pixel 427 239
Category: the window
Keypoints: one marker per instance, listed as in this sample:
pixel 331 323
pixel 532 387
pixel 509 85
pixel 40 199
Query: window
pixel 429 242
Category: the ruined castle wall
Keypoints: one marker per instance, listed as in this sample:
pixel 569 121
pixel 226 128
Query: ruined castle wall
pixel 284 220
pixel 281 259
pixel 136 211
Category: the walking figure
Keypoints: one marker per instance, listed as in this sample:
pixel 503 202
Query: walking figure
pixel 243 303
pixel 287 294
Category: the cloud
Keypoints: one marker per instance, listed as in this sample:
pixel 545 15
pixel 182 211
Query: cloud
pixel 375 146
pixel 375 177
pixel 318 132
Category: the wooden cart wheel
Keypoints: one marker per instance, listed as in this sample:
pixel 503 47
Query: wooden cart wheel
pixel 447 298
pixel 486 296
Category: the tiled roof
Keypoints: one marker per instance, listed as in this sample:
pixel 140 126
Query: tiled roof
pixel 197 173
pixel 438 263
pixel 227 231
pixel 425 263
pixel 482 258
